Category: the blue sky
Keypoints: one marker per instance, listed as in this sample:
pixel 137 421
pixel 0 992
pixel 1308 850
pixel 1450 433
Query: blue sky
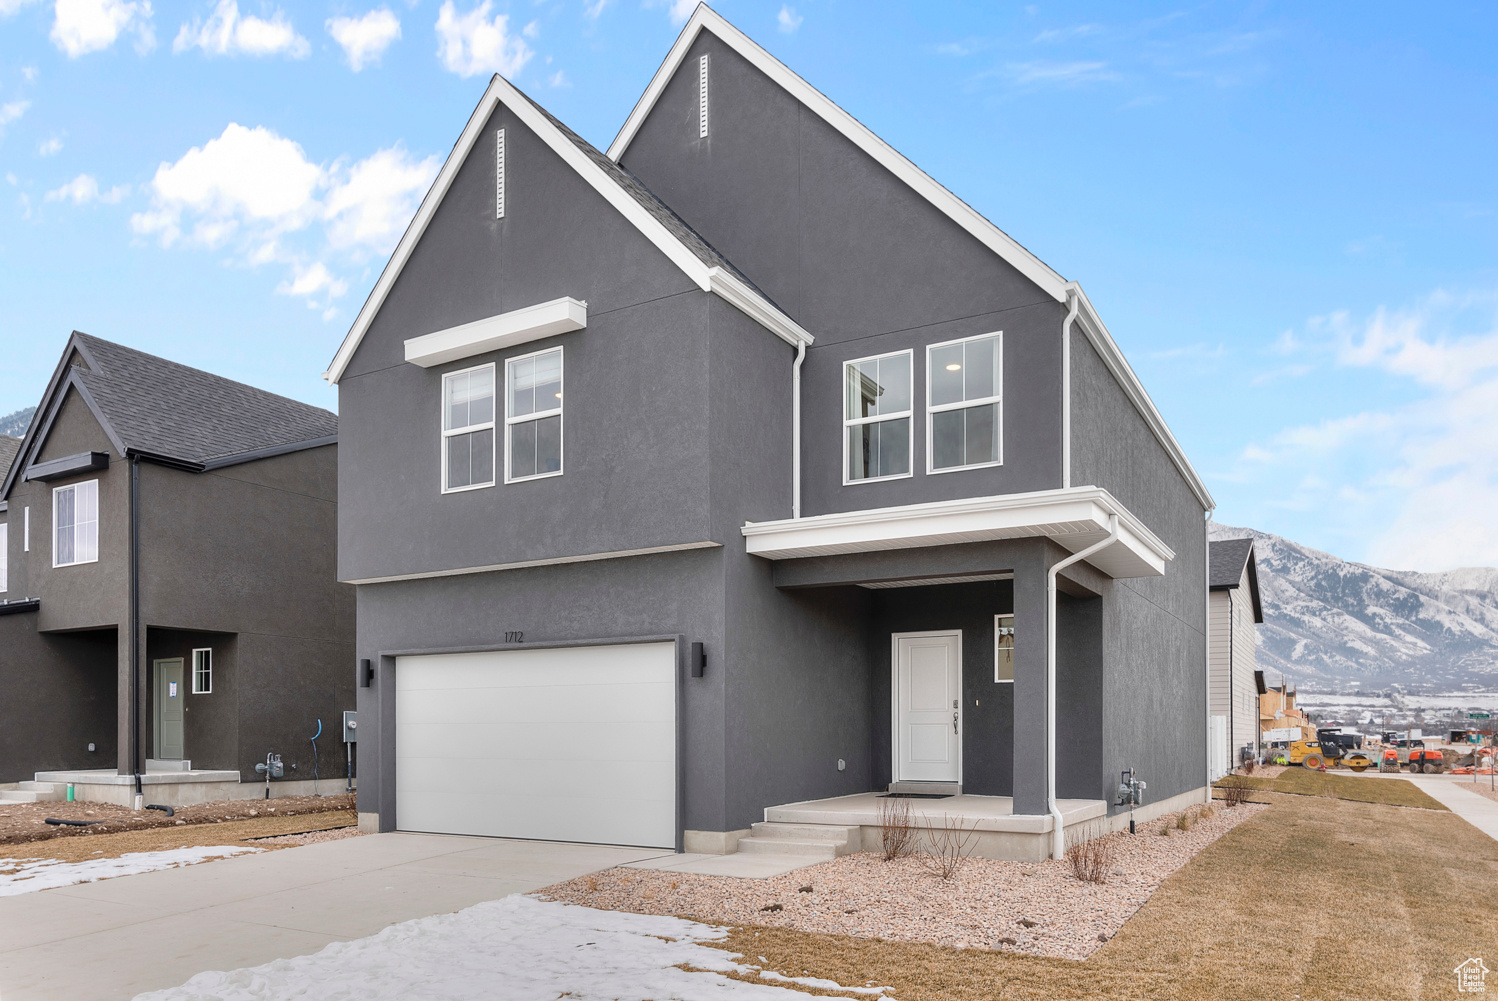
pixel 1285 213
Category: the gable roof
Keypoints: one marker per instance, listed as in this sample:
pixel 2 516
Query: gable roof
pixel 704 18
pixel 1226 561
pixel 172 413
pixel 670 234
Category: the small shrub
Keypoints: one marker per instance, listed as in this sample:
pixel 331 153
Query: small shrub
pixel 1235 790
pixel 1210 810
pixel 951 847
pixel 1091 857
pixel 1249 766
pixel 1164 830
pixel 896 835
pixel 1184 821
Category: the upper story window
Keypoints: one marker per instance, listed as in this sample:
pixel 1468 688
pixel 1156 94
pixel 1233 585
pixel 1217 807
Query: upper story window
pixel 75 524
pixel 534 415
pixel 468 429
pixel 4 557
pixel 963 416
pixel 877 417
pixel 202 671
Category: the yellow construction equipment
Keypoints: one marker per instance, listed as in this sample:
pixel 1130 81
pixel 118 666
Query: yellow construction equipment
pixel 1314 754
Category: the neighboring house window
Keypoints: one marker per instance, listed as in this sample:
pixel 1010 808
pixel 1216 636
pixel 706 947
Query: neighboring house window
pixel 468 429
pixel 876 417
pixel 4 557
pixel 1003 648
pixel 202 671
pixel 534 418
pixel 75 524
pixel 964 386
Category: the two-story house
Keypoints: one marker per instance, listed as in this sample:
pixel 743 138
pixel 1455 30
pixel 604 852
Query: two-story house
pixel 170 612
pixel 1235 609
pixel 744 466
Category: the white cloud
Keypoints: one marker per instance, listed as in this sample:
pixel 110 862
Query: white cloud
pixel 677 10
pixel 84 189
pixel 473 43
pixel 788 19
pixel 226 33
pixel 258 195
pixel 11 111
pixel 50 147
pixel 83 26
pixel 1042 71
pixel 592 10
pixel 365 38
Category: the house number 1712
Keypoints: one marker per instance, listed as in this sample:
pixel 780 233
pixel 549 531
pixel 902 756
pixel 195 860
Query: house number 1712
pixel 514 637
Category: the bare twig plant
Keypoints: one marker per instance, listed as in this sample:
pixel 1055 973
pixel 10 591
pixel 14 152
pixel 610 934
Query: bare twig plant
pixel 1091 854
pixel 1235 790
pixel 951 846
pixel 896 835
pixel 1249 766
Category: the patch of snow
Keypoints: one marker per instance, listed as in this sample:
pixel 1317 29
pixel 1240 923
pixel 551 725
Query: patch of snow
pixel 519 949
pixel 19 876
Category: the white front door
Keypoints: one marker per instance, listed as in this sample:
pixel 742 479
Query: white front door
pixel 928 706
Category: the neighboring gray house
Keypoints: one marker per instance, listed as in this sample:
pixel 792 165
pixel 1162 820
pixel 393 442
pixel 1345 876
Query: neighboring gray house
pixel 1234 610
pixel 219 501
pixel 729 470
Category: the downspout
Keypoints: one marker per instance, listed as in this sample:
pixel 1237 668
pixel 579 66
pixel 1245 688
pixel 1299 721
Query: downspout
pixel 1207 643
pixel 1058 833
pixel 135 623
pixel 1071 317
pixel 796 430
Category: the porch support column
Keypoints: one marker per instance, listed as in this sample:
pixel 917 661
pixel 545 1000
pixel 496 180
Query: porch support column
pixel 123 703
pixel 1031 743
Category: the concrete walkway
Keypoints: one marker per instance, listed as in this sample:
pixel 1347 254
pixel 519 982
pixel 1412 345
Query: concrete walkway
pixel 118 937
pixel 1479 811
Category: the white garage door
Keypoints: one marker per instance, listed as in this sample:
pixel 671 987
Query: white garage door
pixel 563 744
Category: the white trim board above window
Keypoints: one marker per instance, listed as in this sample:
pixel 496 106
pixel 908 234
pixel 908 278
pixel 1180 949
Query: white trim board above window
pixel 75 524
pixel 495 333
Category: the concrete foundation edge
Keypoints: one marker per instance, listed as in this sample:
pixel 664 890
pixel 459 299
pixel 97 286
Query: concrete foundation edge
pixel 195 793
pixel 1153 811
pixel 712 842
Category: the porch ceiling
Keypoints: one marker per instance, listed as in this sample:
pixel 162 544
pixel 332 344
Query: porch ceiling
pixel 1074 518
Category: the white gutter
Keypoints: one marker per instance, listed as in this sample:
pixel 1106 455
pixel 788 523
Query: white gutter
pixel 1071 317
pixel 1058 832
pixel 796 430
pixel 1207 650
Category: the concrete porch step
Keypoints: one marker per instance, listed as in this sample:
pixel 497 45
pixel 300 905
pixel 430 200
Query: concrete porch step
pixel 34 792
pixel 818 840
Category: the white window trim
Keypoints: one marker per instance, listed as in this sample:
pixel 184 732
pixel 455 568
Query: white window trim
pixel 560 411
pixel 468 429
pixel 26 529
pixel 4 556
pixel 195 689
pixel 76 563
pixel 931 469
pixel 996 627
pixel 856 421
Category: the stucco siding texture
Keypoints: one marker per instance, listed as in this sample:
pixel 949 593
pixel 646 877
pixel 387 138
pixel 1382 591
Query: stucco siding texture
pixel 58 696
pixel 861 261
pixel 210 720
pixel 635 462
pixel 1155 636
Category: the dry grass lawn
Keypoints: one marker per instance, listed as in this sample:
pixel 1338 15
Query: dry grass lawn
pixel 82 847
pixel 1316 898
pixel 1336 785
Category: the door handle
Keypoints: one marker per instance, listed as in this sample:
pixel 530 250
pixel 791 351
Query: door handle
pixel 954 722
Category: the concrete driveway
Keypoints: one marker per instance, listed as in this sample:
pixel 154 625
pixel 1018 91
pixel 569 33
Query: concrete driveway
pixel 118 937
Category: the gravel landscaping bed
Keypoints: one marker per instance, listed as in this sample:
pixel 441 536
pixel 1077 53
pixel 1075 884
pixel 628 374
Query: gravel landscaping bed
pixel 21 823
pixel 311 837
pixel 1040 909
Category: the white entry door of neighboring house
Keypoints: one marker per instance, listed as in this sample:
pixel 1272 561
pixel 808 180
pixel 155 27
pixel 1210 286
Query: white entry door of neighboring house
pixel 928 706
pixel 551 744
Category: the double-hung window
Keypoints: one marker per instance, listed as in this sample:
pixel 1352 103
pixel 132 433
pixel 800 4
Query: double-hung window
pixel 534 415
pixel 202 671
pixel 876 417
pixel 964 421
pixel 75 524
pixel 468 429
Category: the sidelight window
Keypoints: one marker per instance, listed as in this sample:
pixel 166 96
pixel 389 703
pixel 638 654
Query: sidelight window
pixel 877 417
pixel 964 381
pixel 1003 648
pixel 468 429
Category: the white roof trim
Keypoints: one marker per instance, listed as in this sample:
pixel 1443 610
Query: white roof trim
pixel 501 91
pixel 859 134
pixel 553 561
pixel 1075 518
pixel 1113 358
pixel 494 333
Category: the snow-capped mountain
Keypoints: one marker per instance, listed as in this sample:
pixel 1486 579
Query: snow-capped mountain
pixel 1328 621
pixel 15 424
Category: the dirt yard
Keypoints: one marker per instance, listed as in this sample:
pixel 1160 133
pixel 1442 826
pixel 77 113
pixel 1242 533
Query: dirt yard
pixel 256 832
pixel 22 823
pixel 1315 898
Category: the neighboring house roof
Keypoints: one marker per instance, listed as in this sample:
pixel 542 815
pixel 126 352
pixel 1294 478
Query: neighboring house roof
pixel 1227 560
pixel 8 448
pixel 671 235
pixel 959 211
pixel 167 411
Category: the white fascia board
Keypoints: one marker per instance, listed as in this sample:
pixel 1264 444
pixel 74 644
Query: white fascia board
pixel 855 131
pixel 1107 348
pixel 495 333
pixel 679 547
pixel 739 295
pixel 1075 518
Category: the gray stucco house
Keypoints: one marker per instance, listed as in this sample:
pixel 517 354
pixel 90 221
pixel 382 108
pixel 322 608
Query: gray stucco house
pixel 168 600
pixel 738 476
pixel 1235 687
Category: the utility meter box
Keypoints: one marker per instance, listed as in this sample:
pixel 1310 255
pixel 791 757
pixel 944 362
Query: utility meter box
pixel 350 727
